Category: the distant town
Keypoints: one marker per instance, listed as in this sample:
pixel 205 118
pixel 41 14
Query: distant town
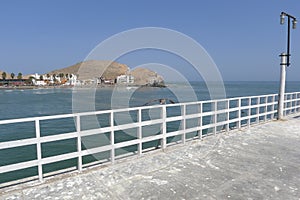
pixel 59 79
pixel 93 72
pixel 62 79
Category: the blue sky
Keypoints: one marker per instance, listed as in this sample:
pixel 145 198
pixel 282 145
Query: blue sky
pixel 244 38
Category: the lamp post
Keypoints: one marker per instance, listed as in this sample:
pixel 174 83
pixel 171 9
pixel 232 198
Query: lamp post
pixel 285 62
pixel 282 19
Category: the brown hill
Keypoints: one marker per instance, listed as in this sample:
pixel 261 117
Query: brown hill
pixel 109 70
pixel 94 69
pixel 144 76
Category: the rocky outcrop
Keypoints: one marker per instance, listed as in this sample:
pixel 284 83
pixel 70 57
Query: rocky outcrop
pixel 94 69
pixel 110 71
pixel 147 77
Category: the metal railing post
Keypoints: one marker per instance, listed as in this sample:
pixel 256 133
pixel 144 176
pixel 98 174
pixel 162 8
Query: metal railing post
pixel 215 117
pixel 164 127
pixel 228 116
pixel 266 109
pixel 239 113
pixel 112 137
pixel 79 148
pixel 273 107
pixel 249 113
pixel 183 123
pixel 39 149
pixel 140 136
pixel 258 109
pixel 200 120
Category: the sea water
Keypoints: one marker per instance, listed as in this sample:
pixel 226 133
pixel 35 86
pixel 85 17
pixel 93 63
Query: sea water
pixel 52 101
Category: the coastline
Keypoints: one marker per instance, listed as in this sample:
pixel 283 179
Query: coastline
pixel 33 87
pixel 70 87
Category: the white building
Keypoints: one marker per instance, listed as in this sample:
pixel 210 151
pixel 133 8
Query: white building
pixel 125 79
pixel 38 82
pixel 70 80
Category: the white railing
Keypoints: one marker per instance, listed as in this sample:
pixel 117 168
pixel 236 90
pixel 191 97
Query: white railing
pixel 195 119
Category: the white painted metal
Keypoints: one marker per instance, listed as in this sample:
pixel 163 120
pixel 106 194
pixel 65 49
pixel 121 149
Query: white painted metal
pixel 292 105
pixel 79 147
pixel 164 127
pixel 139 134
pixel 112 137
pixel 239 113
pixel 227 115
pixel 215 104
pixel 39 149
pixel 199 121
pixel 283 65
pixel 183 123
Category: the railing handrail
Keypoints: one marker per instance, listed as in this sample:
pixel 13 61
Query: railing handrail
pixel 266 103
pixel 87 113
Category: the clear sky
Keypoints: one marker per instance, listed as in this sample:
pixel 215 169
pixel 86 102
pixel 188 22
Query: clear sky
pixel 243 37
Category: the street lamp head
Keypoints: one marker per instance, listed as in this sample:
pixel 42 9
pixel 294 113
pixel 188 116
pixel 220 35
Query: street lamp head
pixel 294 23
pixel 282 15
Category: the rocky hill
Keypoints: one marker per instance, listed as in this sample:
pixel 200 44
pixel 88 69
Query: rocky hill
pixel 144 76
pixel 94 69
pixel 110 70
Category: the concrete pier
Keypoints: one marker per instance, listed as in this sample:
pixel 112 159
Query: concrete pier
pixel 262 162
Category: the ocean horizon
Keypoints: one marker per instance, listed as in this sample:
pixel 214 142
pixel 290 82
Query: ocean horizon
pixel 21 103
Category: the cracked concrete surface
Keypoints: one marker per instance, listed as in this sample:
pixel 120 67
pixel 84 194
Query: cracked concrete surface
pixel 262 162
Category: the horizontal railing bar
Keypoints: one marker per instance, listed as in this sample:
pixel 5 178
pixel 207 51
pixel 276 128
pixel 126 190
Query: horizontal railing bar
pixel 17 143
pixel 52 138
pixel 175 133
pixel 32 119
pixel 291 93
pixel 99 112
pixel 291 100
pixel 188 130
pixel 151 138
pixel 192 116
pixel 95 131
pixel 126 126
pixel 175 118
pixel 291 108
pixel 18 166
pixel 127 143
pixel 96 150
pixel 58 158
pixel 151 122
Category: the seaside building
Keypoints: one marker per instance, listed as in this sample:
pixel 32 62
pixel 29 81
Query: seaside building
pixel 71 80
pixel 38 82
pixel 125 79
pixel 42 80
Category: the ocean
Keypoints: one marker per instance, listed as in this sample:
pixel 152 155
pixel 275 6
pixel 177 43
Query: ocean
pixel 18 103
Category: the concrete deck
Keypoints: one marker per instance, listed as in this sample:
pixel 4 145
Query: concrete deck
pixel 262 162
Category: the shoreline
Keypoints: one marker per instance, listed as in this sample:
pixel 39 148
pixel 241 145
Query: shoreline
pixel 33 87
pixel 70 87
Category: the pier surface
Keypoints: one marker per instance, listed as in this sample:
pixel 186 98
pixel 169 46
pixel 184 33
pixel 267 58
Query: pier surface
pixel 262 162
